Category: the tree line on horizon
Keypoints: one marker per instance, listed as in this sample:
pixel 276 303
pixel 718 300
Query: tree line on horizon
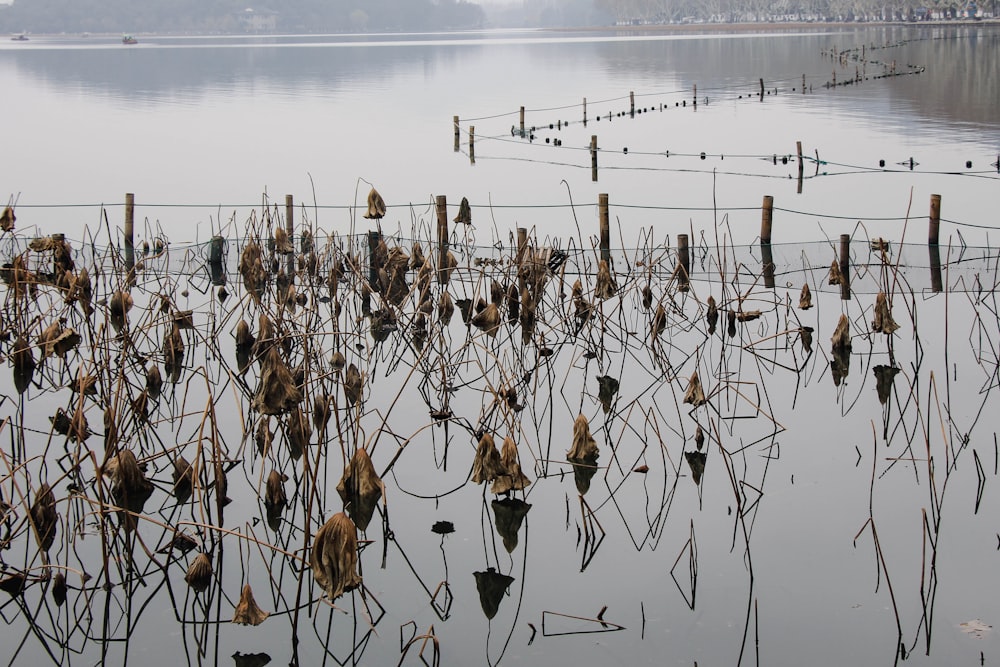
pixel 228 16
pixel 734 11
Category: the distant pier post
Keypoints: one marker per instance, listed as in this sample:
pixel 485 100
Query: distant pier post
pixel 593 158
pixel 129 230
pixel 631 104
pixel 766 257
pixel 522 122
pixel 766 216
pixel 290 229
pixel 845 267
pixel 602 205
pixel 441 202
pixel 683 263
pixel 695 93
pixel 585 112
pixel 472 144
pixel 798 150
pixel 457 132
pixel 934 223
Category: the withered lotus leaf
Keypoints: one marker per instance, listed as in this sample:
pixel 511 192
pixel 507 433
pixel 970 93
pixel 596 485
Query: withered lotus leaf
pixel 247 612
pixel 584 446
pixel 360 488
pixel 334 556
pixel 512 478
pixel 44 516
pixel 694 394
pixel 487 465
pixel 199 574
pixel 277 392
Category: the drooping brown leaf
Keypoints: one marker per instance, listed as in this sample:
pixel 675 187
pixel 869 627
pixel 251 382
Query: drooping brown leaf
pixel 513 478
pixel 129 487
pixel 883 322
pixel 334 556
pixel 487 464
pixel 44 516
pixel 247 612
pixel 509 514
pixel 488 320
pixel 492 587
pixel 277 392
pixel 376 206
pixel 606 286
pixel 841 338
pixel 805 298
pixel 584 447
pixel 694 395
pixel 183 479
pixel 199 574
pixel 360 488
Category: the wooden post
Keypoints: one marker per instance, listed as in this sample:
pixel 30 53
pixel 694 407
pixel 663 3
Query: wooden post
pixel 602 205
pixel 683 263
pixel 374 237
pixel 845 266
pixel 834 79
pixel 522 122
pixel 129 230
pixel 798 150
pixel 934 226
pixel 767 264
pixel 766 215
pixel 441 202
pixel 522 245
pixel 585 112
pixel 762 88
pixel 472 144
pixel 457 132
pixel 934 253
pixel 803 84
pixel 290 229
pixel 593 158
pixel 631 103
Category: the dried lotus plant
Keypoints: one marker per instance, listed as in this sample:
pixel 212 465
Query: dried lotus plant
pixel 334 556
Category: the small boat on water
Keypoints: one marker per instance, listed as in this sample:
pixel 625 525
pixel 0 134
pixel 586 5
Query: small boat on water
pixel 19 38
pixel 129 39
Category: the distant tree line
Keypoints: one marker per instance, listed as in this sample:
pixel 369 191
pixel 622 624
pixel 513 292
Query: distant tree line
pixel 226 16
pixel 666 11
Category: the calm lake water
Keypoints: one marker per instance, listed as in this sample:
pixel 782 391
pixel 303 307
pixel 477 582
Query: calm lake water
pixel 218 122
pixel 841 508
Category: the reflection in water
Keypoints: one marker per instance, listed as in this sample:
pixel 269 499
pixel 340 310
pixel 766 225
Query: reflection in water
pixel 115 506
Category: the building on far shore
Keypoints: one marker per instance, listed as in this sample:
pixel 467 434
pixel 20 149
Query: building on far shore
pixel 258 20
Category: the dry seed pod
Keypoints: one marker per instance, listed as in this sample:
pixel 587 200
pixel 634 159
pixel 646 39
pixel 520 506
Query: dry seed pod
pixel 299 432
pixel 247 612
pixel 282 244
pixel 120 304
pixel 274 492
pixel 334 556
pixel 353 384
pixel 338 361
pixel 417 260
pixel 199 574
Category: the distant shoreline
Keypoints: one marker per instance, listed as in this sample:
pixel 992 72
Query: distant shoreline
pixel 772 27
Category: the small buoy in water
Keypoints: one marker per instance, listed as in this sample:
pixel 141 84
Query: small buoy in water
pixel 546 140
pixel 968 164
pixel 684 103
pixel 552 126
pixel 784 159
pixel 881 163
pixel 625 150
pixel 703 155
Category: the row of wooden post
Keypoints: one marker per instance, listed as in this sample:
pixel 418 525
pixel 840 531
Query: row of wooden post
pixel 683 251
